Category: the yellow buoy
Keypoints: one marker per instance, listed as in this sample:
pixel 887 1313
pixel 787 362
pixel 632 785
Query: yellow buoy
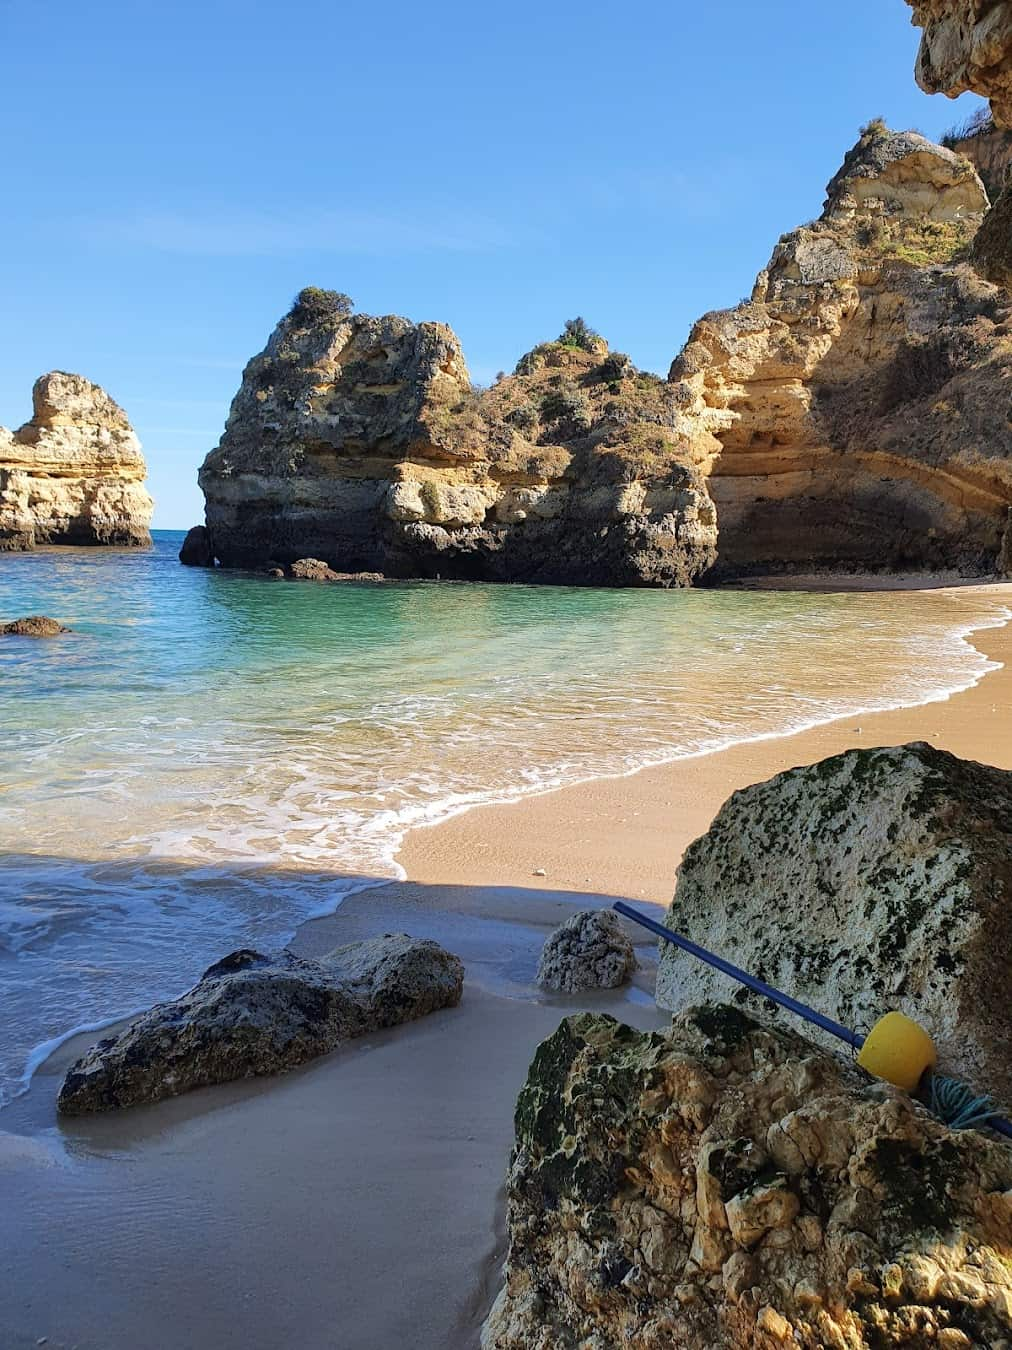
pixel 898 1050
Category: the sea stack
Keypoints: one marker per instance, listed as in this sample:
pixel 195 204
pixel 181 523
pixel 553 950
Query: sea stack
pixel 361 442
pixel 74 474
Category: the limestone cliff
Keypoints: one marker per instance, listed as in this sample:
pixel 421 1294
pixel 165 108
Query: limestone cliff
pixel 730 1187
pixel 855 411
pixel 360 441
pixel 74 474
pixel 967 44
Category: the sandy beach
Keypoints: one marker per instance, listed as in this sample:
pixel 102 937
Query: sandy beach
pixel 355 1203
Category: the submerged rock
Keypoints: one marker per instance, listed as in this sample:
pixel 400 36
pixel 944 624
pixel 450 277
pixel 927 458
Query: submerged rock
pixel 312 569
pixel 252 1014
pixel 35 625
pixel 871 881
pixel 589 951
pixel 731 1186
pixel 74 474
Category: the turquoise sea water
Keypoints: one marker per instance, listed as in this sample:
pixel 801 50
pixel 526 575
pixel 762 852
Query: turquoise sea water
pixel 212 758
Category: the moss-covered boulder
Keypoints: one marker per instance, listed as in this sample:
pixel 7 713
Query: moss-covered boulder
pixel 731 1185
pixel 871 881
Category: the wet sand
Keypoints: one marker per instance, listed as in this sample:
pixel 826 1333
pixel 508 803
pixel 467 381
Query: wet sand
pixel 354 1203
pixel 625 836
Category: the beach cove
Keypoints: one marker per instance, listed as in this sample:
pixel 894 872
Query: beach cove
pixel 390 1153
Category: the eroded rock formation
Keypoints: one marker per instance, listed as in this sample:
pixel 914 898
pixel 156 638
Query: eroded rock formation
pixel 730 1187
pixel 360 441
pixel 589 951
pixel 852 414
pixel 871 881
pixel 74 474
pixel 252 1014
pixel 855 412
pixel 967 44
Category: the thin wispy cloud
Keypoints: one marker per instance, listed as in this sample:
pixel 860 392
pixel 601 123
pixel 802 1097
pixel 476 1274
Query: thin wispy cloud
pixel 237 232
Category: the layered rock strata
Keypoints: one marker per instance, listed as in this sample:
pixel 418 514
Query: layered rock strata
pixel 854 412
pixel 74 474
pixel 966 45
pixel 872 881
pixel 253 1014
pixel 360 441
pixel 730 1187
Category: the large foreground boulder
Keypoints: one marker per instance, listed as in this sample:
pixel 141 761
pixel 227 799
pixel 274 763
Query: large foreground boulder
pixel 729 1185
pixel 252 1014
pixel 871 881
pixel 589 951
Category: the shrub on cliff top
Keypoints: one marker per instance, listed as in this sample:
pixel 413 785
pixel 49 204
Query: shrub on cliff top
pixel 315 305
pixel 578 333
pixel 979 123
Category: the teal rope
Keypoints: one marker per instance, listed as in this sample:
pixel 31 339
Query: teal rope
pixel 958 1106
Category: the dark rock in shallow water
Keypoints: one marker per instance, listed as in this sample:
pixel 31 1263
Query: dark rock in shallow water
pixel 253 1014
pixel 35 625
pixel 196 550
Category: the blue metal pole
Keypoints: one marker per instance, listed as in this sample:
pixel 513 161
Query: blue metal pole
pixel 742 976
pixel 997 1123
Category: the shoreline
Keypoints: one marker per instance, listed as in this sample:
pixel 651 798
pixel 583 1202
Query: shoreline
pixel 507 842
pixel 430 852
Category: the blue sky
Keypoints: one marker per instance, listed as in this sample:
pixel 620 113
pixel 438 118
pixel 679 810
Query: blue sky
pixel 176 172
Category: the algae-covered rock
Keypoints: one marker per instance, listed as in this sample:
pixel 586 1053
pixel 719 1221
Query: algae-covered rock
pixel 589 951
pixel 252 1014
pixel 871 881
pixel 731 1185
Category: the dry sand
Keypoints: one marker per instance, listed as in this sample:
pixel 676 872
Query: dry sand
pixel 353 1204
